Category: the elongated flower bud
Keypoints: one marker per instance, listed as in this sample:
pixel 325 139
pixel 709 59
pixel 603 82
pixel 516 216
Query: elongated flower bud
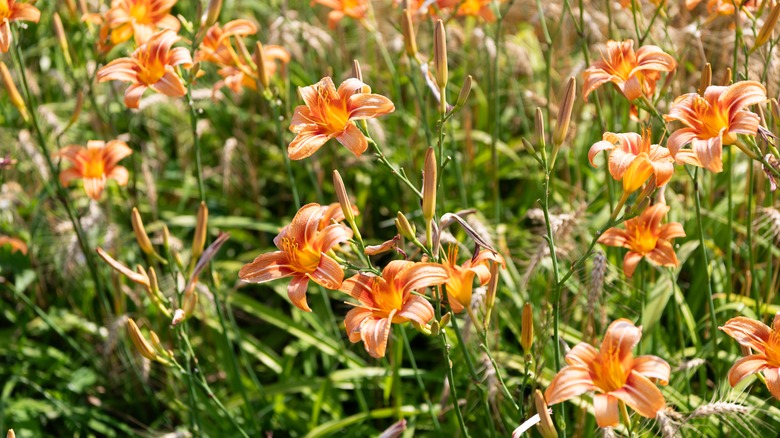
pixel 766 30
pixel 201 226
pixel 539 127
pixel 429 186
pixel 71 4
pixel 13 92
pixel 59 31
pixel 465 90
pixel 404 227
pixel 141 344
pixel 726 79
pixel 259 59
pixel 357 73
pixel 140 278
pixel 445 320
pixel 212 15
pixel 10 434
pixel 440 56
pixel 546 426
pixel 706 78
pixel 341 194
pixel 527 328
pixel 410 40
pixel 564 113
pixel 140 232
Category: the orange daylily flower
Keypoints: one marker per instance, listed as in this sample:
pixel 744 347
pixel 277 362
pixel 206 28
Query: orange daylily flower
pixel 95 164
pixel 712 121
pixel 635 74
pixel 329 113
pixel 356 9
pixel 139 19
pixel 614 373
pixel 150 66
pixel 646 237
pixel 477 8
pixel 626 148
pixel 388 299
pixel 765 341
pixel 236 72
pixel 425 7
pixel 17 245
pixel 302 247
pixel 333 213
pixel 461 278
pixel 12 10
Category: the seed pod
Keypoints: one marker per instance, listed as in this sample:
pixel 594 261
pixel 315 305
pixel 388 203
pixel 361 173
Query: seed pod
pixel 429 186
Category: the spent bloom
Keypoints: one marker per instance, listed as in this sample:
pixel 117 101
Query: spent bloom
pixel 765 341
pixel 12 10
pixel 712 121
pixel 646 237
pixel 95 164
pixel 150 66
pixel 301 256
pixel 634 73
pixel 461 277
pixel 614 373
pixel 330 113
pixel 139 19
pixel 388 299
pixel 626 148
pixel 356 9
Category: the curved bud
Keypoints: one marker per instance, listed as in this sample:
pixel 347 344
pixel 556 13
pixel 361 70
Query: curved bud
pixel 259 58
pixel 357 73
pixel 341 194
pixel 59 31
pixel 201 226
pixel 214 8
pixel 766 30
pixel 546 426
pixel 140 232
pixel 706 78
pixel 141 344
pixel 564 113
pixel 404 227
pixel 13 92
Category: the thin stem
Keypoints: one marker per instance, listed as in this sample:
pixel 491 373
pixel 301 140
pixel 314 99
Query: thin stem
pixel 451 379
pixel 196 143
pixel 397 172
pixel 418 378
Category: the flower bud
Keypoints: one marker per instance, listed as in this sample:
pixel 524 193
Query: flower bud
pixel 71 4
pixel 465 90
pixel 440 56
pixel 140 232
pixel 766 30
pixel 564 113
pixel 13 92
pixel 435 328
pixel 429 186
pixel 726 79
pixel 141 344
pixel 201 226
pixel 166 238
pixel 341 194
pixel 637 173
pixel 546 426
pixel 59 31
pixel 410 40
pixel 539 127
pixel 357 73
pixel 404 227
pixel 10 434
pixel 706 78
pixel 445 320
pixel 259 59
pixel 527 328
pixel 214 8
pixel 140 278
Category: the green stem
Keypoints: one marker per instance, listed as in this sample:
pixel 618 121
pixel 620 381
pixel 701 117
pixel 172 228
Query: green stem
pixel 397 172
pixel 418 378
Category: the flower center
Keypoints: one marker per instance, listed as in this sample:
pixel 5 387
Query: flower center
pixel 712 120
pixel 151 69
pixel 386 297
pixel 140 11
pixel 304 259
pixel 94 167
pixel 5 10
pixel 773 350
pixel 607 372
pixel 643 240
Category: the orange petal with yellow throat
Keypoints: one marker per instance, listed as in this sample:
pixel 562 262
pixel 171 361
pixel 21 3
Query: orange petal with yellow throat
pixel 748 332
pixel 570 382
pixel 653 367
pixel 266 267
pixel 641 395
pixel 605 408
pixel 296 291
pixel 375 333
pixel 621 338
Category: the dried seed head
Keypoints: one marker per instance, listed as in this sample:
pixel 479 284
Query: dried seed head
pixel 140 232
pixel 410 40
pixel 766 30
pixel 706 78
pixel 440 55
pixel 201 226
pixel 404 227
pixel 527 328
pixel 429 186
pixel 564 113
pixel 13 92
pixel 141 344
pixel 546 426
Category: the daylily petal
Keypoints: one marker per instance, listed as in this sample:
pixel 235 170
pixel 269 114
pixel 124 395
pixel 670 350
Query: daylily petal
pixel 710 153
pixel 360 287
pixel 746 366
pixel 417 309
pixel 350 87
pixel 630 261
pixel 353 321
pixel 308 141
pixel 133 95
pixel 663 254
pixel 606 410
pixel 266 267
pixel 653 367
pixel 748 332
pixel 582 354
pixel 422 275
pixel 331 236
pixel 328 274
pixel 375 333
pixel 570 382
pixel 671 230
pixel 772 376
pixel 642 395
pixel 296 291
pixel 621 337
pixel 368 106
pixel 614 237
pixel 597 148
pixel 353 139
